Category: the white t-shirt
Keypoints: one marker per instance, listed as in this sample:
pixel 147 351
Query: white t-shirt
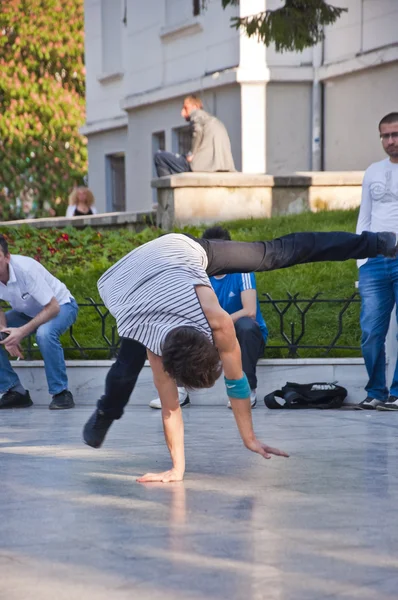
pixel 379 204
pixel 30 286
pixel 70 211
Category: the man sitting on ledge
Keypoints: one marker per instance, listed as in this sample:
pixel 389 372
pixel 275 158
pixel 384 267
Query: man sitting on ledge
pixel 211 147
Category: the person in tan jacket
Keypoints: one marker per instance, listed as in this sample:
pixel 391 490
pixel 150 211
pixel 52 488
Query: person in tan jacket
pixel 211 147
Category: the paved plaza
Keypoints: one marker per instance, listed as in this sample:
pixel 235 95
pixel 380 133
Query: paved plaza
pixel 320 525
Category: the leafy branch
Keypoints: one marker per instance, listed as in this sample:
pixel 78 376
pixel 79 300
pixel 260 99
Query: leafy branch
pixel 297 25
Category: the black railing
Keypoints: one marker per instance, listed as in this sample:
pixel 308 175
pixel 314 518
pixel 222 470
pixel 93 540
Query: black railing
pixel 288 328
pixel 102 341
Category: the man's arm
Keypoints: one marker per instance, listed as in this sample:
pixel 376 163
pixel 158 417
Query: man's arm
pixel 365 211
pixel 173 423
pixel 197 134
pixel 249 305
pixel 17 334
pixel 3 322
pixel 230 355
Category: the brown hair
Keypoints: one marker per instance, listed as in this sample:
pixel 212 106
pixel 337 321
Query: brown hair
pixel 195 100
pixel 190 358
pixel 89 196
pixel 388 119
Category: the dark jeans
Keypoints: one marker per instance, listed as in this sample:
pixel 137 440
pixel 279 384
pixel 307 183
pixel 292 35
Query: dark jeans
pixel 252 346
pixel 122 377
pixel 239 257
pixel 296 248
pixel 167 163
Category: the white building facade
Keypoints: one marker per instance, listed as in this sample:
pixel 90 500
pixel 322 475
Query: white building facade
pixel 285 112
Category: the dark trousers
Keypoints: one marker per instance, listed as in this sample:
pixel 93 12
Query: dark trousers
pixel 239 257
pixel 167 163
pixel 252 346
pixel 296 248
pixel 122 377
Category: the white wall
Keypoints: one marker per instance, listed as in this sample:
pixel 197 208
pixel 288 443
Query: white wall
pixel 155 52
pixel 354 105
pixel 368 25
pixel 102 96
pixel 288 127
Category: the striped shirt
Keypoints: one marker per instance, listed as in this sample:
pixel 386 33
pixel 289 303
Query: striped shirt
pixel 152 290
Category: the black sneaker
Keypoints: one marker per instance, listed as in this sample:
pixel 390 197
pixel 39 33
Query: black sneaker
pixel 390 404
pixel 15 400
pixel 369 404
pixel 96 428
pixel 62 401
pixel 387 244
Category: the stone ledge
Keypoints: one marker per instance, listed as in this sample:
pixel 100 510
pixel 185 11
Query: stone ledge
pixel 87 379
pixel 263 362
pixel 299 179
pixel 102 220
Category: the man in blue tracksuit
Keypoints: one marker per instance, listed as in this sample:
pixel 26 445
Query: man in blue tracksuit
pixel 237 295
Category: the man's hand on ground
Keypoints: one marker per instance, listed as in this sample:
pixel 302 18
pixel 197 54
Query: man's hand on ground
pixel 264 450
pixel 165 477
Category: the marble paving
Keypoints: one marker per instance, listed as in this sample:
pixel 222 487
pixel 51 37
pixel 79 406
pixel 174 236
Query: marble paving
pixel 320 525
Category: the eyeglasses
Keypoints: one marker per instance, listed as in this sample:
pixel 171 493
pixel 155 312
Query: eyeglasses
pixel 386 136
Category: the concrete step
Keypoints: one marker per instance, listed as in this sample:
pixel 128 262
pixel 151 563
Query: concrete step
pixel 87 378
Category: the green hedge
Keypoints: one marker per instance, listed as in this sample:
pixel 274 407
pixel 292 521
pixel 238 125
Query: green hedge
pixel 79 257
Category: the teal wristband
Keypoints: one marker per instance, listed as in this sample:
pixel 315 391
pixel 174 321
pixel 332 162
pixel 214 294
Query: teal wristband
pixel 237 388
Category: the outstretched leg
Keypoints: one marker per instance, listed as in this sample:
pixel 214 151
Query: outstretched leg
pixel 120 382
pixel 296 248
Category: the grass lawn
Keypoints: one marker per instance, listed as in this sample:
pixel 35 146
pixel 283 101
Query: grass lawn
pixel 79 258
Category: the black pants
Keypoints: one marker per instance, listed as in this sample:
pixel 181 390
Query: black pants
pixel 296 248
pixel 239 257
pixel 251 342
pixel 167 163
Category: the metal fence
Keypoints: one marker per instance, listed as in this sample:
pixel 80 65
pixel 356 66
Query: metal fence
pixel 292 314
pixel 293 335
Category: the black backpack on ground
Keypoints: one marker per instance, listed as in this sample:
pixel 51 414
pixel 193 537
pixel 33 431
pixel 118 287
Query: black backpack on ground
pixel 307 395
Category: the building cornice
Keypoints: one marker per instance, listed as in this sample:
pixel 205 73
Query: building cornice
pixel 360 62
pixel 218 79
pixel 119 122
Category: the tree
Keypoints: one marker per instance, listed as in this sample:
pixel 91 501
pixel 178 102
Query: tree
pixel 297 25
pixel 42 104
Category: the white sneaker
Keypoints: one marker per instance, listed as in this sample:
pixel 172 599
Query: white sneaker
pixel 183 399
pixel 253 399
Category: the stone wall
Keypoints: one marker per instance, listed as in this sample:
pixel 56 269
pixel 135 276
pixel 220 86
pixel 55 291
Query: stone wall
pixel 205 198
pixel 87 378
pixel 130 220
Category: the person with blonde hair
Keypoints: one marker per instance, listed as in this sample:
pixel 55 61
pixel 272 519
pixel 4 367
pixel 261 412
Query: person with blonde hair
pixel 81 203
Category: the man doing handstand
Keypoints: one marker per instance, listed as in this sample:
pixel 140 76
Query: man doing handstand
pixel 165 308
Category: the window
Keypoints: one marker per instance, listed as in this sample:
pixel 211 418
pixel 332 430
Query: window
pixel 196 8
pixel 182 140
pixel 115 183
pixel 158 143
pixel 178 11
pixel 111 28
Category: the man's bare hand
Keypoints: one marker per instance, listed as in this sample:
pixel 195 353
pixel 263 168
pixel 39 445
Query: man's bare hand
pixel 14 350
pixel 264 450
pixel 189 158
pixel 15 336
pixel 165 477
